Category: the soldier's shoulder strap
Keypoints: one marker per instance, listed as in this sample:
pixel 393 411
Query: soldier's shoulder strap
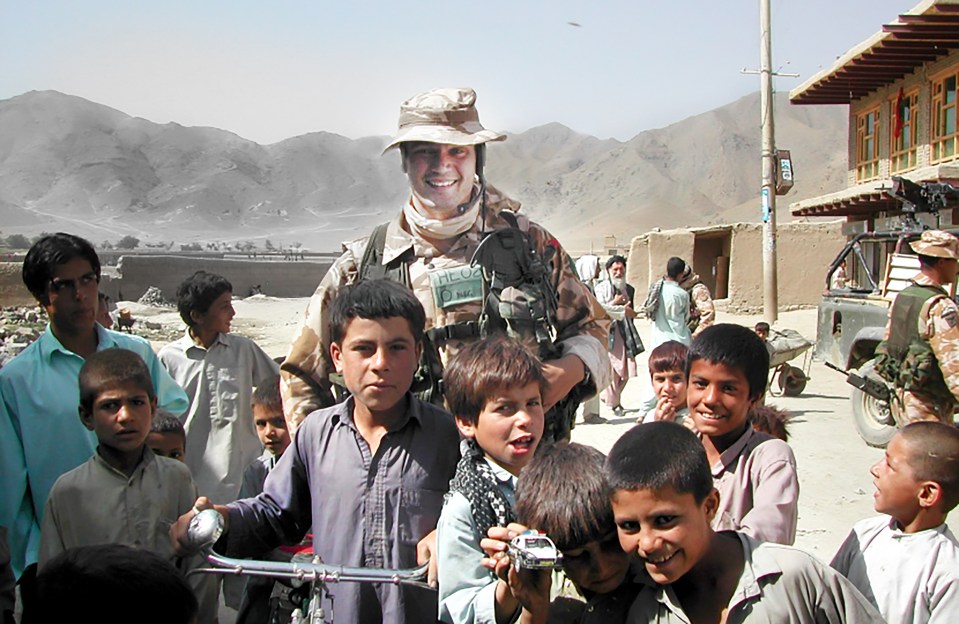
pixel 371 264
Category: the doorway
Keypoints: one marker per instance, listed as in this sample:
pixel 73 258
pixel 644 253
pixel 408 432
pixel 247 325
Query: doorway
pixel 711 260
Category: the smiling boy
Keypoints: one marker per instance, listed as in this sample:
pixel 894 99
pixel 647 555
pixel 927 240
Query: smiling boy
pixel 667 373
pixel 754 472
pixel 368 475
pixel 563 493
pixel 494 387
pixel 218 371
pixel 663 505
pixel 124 494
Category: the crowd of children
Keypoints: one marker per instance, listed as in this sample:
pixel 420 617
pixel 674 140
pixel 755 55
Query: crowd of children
pixel 107 454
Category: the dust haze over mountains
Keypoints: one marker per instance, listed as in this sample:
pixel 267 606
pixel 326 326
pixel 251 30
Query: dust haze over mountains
pixel 70 164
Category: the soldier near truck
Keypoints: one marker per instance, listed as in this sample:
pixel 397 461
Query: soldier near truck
pixel 920 351
pixel 430 245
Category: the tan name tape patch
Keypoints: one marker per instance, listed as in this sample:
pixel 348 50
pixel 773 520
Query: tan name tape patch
pixel 456 286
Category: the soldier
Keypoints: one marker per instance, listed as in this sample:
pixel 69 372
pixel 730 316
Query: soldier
pixel 702 311
pixel 920 352
pixel 429 246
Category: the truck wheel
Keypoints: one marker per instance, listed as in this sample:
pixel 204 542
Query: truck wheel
pixel 873 419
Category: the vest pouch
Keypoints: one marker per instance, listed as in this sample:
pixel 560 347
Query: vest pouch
pixel 524 312
pixel 920 370
pixel 887 366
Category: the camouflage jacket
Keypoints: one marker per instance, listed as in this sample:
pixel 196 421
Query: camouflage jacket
pixel 939 325
pixel 701 300
pixel 582 324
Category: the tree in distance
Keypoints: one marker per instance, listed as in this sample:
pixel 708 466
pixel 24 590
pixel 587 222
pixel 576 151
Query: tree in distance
pixel 128 242
pixel 18 241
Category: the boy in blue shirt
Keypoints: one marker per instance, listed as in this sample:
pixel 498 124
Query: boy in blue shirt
pixel 367 475
pixel 41 437
pixel 494 387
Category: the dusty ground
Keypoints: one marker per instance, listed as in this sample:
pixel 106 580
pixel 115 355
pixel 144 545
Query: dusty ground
pixel 836 488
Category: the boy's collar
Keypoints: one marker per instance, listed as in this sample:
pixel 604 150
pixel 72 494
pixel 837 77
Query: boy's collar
pixel 50 343
pixel 896 528
pixel 194 341
pixel 412 413
pixel 502 474
pixel 726 457
pixel 146 458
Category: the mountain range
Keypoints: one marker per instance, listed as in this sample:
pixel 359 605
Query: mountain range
pixel 70 164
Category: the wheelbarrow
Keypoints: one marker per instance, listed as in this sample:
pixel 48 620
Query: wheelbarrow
pixel 785 345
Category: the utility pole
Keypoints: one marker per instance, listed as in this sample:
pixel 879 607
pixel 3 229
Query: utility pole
pixel 770 279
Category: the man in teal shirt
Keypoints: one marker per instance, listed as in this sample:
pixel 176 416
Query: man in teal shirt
pixel 41 436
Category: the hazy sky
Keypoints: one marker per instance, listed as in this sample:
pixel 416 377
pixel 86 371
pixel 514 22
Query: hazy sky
pixel 272 69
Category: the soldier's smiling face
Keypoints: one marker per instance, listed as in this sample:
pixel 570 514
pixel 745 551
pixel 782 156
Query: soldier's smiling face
pixel 441 175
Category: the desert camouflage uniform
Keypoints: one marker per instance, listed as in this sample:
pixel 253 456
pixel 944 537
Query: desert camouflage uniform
pixel 582 324
pixel 939 325
pixel 700 299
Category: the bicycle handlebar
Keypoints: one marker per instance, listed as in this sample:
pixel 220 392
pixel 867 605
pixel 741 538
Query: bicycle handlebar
pixel 205 528
pixel 309 571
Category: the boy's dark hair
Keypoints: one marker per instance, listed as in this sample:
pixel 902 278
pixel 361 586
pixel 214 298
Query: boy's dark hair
pixel 112 366
pixel 48 253
pixel 165 422
pixel 762 326
pixel 669 356
pixel 736 348
pixel 376 299
pixel 770 419
pixel 485 366
pixel 198 292
pixel 267 393
pixel 614 259
pixel 934 456
pixel 675 267
pixel 113 584
pixel 563 493
pixel 659 455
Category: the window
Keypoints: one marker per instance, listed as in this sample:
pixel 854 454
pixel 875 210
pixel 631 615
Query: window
pixel 867 145
pixel 944 118
pixel 904 131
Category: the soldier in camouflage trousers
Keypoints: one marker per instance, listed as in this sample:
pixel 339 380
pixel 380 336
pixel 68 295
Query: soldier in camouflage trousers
pixel 702 311
pixel 924 320
pixel 438 228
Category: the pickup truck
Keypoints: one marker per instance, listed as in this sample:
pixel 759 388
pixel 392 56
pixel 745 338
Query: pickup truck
pixel 853 311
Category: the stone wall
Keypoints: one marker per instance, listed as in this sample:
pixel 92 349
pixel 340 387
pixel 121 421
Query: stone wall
pixel 12 290
pixel 804 252
pixel 275 278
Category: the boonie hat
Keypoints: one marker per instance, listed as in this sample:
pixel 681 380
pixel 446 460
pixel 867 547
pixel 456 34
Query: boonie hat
pixel 442 116
pixel 937 243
